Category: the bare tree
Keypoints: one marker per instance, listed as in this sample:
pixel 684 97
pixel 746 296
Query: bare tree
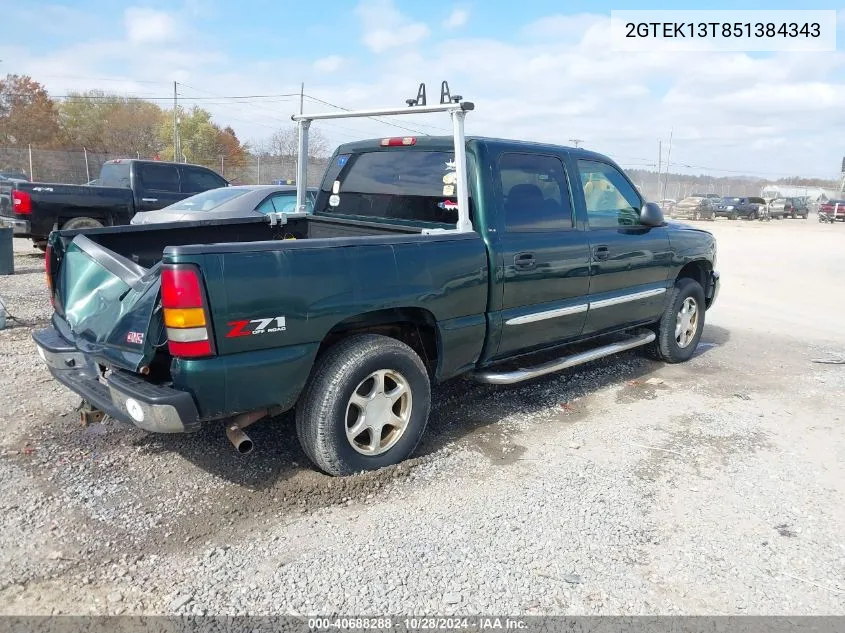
pixel 285 143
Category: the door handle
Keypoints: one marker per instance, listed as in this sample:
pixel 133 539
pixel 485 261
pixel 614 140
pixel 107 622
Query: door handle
pixel 601 252
pixel 149 199
pixel 524 261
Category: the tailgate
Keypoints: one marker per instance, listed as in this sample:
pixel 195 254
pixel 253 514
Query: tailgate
pixel 108 305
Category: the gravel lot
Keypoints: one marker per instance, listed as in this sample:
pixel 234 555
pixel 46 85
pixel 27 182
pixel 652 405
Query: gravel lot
pixel 713 487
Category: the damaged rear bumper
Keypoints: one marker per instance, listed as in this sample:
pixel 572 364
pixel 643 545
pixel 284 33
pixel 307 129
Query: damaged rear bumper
pixel 122 395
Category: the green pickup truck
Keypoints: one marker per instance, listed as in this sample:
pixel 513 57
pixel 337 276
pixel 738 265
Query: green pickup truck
pixel 350 314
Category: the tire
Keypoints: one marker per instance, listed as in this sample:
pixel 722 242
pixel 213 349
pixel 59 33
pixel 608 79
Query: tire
pixel 752 215
pixel 82 223
pixel 732 216
pixel 667 346
pixel 326 408
pixel 696 215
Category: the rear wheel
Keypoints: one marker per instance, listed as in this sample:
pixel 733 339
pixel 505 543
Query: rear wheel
pixel 696 215
pixel 682 323
pixel 365 405
pixel 82 223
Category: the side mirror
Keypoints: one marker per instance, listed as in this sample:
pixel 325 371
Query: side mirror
pixel 651 215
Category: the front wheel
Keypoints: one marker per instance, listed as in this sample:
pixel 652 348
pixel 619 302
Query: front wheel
pixel 365 405
pixel 682 323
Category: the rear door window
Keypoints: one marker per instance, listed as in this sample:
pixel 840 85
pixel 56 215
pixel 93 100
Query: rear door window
pixel 413 185
pixel 534 192
pixel 160 177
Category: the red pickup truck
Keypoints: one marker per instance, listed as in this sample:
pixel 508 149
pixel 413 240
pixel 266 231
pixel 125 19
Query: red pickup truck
pixel 832 210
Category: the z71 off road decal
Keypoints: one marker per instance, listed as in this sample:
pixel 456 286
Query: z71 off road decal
pixel 256 326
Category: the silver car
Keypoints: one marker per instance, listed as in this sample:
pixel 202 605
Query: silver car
pixel 229 202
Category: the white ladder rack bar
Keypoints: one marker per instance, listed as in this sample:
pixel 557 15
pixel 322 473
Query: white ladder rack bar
pixel 457 111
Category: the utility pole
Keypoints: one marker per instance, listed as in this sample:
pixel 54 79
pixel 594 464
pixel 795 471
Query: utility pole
pixel 576 141
pixel 668 156
pixel 175 126
pixel 659 164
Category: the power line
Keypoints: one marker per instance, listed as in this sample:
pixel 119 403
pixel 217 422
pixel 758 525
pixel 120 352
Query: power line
pixel 396 125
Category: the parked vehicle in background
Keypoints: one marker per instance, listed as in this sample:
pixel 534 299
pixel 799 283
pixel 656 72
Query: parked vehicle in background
pixel 751 208
pixel 832 211
pixel 726 208
pixel 705 195
pixel 797 208
pixel 229 202
pixel 694 208
pixel 781 208
pixel 5 192
pixel 12 175
pixel 667 205
pixel 425 258
pixel 126 186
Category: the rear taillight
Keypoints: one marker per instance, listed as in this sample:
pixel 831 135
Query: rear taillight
pixel 185 312
pixel 21 202
pixel 48 268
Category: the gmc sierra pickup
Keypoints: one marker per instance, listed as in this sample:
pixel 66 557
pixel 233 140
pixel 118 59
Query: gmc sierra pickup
pixel 425 259
pixel 125 186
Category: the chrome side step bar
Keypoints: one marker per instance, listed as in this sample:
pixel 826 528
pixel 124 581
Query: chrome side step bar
pixel 492 377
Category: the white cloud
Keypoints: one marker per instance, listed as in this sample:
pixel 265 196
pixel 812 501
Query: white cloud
pixel 563 26
pixel 329 64
pixel 149 26
pixel 456 19
pixel 385 27
pixel 558 79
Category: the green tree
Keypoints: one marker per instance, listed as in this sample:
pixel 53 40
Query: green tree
pixel 201 140
pixel 110 123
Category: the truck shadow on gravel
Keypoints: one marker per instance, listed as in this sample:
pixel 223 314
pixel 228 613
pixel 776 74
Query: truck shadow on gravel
pixel 463 411
pixel 223 493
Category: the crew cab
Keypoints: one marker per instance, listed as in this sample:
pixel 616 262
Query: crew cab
pixel 124 187
pixel 425 259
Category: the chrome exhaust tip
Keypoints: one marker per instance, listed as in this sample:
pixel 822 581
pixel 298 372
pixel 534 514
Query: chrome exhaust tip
pixel 240 440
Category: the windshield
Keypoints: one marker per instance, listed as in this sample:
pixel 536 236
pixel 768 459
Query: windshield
pixel 414 185
pixel 207 200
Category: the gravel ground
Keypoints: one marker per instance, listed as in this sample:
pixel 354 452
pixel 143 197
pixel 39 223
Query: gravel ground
pixel 626 487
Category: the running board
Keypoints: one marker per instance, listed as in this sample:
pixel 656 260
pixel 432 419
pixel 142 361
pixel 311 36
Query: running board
pixel 510 377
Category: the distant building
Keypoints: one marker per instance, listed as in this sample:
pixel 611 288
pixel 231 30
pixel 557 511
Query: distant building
pixel 815 194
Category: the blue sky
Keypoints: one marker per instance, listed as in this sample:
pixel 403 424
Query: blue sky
pixel 539 70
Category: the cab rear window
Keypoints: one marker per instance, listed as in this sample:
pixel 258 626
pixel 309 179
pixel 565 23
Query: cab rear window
pixel 413 185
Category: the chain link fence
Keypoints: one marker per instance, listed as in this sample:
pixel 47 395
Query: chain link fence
pixel 78 167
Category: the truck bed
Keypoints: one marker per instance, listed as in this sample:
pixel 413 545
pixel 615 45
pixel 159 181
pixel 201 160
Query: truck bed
pixel 333 271
pixel 145 244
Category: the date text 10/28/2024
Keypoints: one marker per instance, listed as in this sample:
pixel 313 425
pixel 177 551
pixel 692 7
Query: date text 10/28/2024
pixel 417 624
